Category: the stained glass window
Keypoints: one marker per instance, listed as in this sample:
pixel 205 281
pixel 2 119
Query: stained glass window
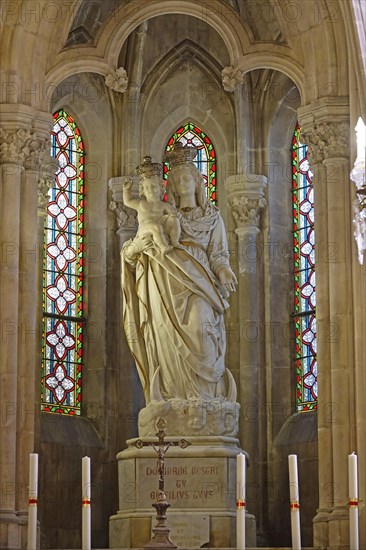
pixel 62 340
pixel 304 276
pixel 191 135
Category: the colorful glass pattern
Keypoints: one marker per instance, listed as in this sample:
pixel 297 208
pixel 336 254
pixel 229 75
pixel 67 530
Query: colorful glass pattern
pixel 304 275
pixel 191 135
pixel 62 341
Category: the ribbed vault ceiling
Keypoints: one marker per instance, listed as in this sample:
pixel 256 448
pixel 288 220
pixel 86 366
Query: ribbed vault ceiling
pixel 259 16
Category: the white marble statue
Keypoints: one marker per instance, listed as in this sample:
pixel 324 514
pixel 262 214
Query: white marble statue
pixel 176 304
pixel 157 219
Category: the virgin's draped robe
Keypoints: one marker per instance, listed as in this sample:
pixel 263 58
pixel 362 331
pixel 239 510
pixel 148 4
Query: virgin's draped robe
pixel 173 310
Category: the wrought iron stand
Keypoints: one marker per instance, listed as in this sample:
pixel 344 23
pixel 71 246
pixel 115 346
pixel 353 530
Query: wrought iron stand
pixel 161 537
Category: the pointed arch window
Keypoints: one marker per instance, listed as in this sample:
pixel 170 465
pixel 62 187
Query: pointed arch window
pixel 63 277
pixel 192 136
pixel 304 277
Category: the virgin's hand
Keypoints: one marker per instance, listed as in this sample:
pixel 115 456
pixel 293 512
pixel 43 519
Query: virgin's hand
pixel 227 279
pixel 142 243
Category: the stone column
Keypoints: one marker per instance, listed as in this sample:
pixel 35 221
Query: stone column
pixel 126 221
pixel 333 233
pixel 28 370
pixel 131 108
pixel 24 138
pixel 336 162
pixel 325 466
pixel 246 200
pixel 12 155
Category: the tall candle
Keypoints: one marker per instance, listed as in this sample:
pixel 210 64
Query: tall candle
pixel 294 502
pixel 32 501
pixel 85 503
pixel 353 502
pixel 240 501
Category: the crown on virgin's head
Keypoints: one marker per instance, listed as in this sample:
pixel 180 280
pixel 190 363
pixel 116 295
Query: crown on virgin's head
pixel 148 168
pixel 180 154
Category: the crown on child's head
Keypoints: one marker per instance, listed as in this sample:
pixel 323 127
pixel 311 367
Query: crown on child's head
pixel 180 154
pixel 148 168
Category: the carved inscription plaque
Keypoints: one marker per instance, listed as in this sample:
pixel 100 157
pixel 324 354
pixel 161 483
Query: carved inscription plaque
pixel 189 483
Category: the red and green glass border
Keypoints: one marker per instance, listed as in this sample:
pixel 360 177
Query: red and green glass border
pixel 304 275
pixel 67 368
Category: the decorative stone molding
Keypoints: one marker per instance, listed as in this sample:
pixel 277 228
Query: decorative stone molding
pixel 231 78
pixel 325 128
pixel 14 145
pixel 35 152
pixel 126 217
pixel 246 198
pixel 247 211
pixel 326 140
pixel 45 183
pixel 315 143
pixel 44 186
pixel 117 80
pixel 337 144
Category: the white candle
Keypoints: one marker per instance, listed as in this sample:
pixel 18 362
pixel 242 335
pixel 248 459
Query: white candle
pixel 353 502
pixel 32 502
pixel 294 502
pixel 240 501
pixel 85 503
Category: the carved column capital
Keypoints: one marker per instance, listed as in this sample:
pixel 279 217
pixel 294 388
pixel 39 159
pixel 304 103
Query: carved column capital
pixel 14 145
pixel 35 152
pixel 316 144
pixel 246 199
pixel 326 140
pixel 126 217
pixel 325 128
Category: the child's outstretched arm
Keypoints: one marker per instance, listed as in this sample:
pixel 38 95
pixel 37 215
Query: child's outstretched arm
pixel 128 199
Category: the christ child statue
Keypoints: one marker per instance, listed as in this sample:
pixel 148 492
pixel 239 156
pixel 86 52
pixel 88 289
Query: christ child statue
pixel 157 219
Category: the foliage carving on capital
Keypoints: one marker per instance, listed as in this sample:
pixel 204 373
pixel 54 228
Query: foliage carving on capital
pixel 126 217
pixel 315 142
pixel 246 211
pixel 117 80
pixel 47 180
pixel 231 78
pixel 326 140
pixel 44 186
pixel 35 152
pixel 14 145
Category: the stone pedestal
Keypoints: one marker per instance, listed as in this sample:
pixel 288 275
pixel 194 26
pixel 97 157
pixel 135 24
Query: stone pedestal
pixel 200 485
